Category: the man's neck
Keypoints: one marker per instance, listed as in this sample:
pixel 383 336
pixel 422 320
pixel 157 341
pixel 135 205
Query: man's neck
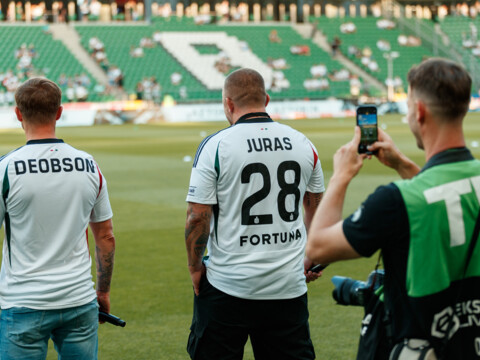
pixel 447 137
pixel 249 111
pixel 40 133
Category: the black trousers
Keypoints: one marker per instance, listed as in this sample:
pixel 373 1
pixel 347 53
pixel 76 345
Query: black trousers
pixel 221 324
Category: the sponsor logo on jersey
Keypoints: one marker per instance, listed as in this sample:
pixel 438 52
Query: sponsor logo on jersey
pixel 54 165
pixel 270 239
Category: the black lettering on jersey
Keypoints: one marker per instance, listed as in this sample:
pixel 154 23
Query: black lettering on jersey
pixel 265 144
pixel 79 164
pixel 55 165
pixel 43 165
pixel 278 144
pixel 20 167
pixel 90 166
pixel 67 162
pixel 34 166
pixel 270 239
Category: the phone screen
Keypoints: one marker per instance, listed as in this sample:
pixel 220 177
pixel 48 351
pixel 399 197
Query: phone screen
pixel 367 120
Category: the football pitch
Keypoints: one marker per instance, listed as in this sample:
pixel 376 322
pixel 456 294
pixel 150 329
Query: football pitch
pixel 147 168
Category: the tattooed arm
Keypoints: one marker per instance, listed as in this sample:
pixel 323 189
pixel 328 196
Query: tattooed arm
pixel 104 256
pixel 310 204
pixel 197 230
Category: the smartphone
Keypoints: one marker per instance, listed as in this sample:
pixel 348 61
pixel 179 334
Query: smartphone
pixel 367 120
pixel 317 268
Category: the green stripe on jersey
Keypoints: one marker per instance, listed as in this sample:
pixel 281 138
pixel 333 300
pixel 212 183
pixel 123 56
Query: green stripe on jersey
pixel 5 191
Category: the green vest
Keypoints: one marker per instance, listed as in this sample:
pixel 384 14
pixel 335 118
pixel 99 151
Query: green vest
pixel 442 205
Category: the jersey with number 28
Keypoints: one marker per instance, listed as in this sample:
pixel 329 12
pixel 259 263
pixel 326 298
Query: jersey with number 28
pixel 255 174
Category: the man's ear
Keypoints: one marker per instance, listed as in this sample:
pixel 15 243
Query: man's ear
pixel 59 113
pixel 230 105
pixel 421 112
pixel 267 100
pixel 19 114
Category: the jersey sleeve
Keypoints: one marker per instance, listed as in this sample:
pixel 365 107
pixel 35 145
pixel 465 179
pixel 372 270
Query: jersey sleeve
pixel 102 209
pixel 203 179
pixel 2 200
pixel 381 218
pixel 316 184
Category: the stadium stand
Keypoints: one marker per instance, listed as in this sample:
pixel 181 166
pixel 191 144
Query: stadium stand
pixel 161 61
pixel 366 37
pixel 51 58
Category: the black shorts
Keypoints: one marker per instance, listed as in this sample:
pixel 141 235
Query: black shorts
pixel 221 324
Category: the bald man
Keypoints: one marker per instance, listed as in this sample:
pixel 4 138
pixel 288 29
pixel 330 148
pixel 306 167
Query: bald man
pixel 245 198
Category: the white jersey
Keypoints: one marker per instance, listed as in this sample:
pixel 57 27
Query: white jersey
pixel 50 193
pixel 255 174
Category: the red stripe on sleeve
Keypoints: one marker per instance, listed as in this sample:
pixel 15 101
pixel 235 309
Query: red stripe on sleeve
pixel 315 158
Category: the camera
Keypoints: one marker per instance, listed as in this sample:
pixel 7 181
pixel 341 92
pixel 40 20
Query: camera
pixel 348 291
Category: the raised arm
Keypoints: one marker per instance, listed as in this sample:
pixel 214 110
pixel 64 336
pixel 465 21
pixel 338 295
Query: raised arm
pixel 197 231
pixel 390 155
pixel 104 257
pixel 326 240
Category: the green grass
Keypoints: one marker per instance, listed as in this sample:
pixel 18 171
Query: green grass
pixel 147 182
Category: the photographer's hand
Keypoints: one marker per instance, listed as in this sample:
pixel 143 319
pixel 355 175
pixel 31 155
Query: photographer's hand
pixel 326 240
pixel 387 152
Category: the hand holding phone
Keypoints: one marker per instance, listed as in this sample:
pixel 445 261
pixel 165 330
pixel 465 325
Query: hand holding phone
pixel 367 121
pixel 317 268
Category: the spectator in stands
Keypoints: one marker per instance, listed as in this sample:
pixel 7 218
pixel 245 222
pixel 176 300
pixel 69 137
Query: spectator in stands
pixel 354 51
pixel 81 93
pixel 273 36
pixel 355 86
pixel 373 66
pixel 157 91
pixel 176 78
pixel 385 24
pixel 409 40
pixel 300 50
pixel 316 84
pixel 319 70
pixel 95 8
pixel 136 51
pixel 94 44
pixel 383 45
pixel 339 75
pixel 139 90
pixel 335 45
pixel 62 81
pixel 146 42
pixel 348 28
pixel 277 64
pixel 70 92
pixel 83 80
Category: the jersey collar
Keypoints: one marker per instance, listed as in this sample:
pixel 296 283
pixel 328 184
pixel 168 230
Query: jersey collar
pixel 255 117
pixel 44 141
pixel 449 156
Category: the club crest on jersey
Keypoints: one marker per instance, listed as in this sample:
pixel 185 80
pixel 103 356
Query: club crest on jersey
pixel 268 144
